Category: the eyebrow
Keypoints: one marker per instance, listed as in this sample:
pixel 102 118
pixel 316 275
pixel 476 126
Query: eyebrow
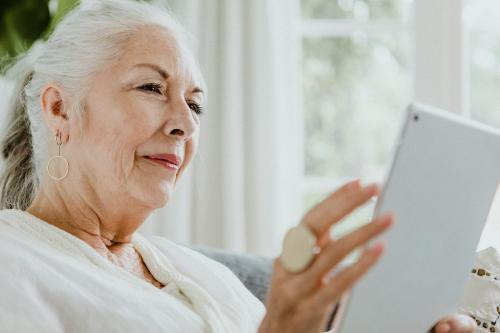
pixel 164 74
pixel 197 90
pixel 157 68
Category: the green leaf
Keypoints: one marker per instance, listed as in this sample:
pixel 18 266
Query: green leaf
pixel 22 24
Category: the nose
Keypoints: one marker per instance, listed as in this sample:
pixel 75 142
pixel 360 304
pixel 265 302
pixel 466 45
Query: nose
pixel 181 122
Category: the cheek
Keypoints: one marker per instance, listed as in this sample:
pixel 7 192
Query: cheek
pixel 121 143
pixel 115 124
pixel 115 139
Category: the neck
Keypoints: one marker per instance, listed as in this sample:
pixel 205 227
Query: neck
pixel 106 227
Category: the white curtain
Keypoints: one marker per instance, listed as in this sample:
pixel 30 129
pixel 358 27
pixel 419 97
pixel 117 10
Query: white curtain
pixel 243 190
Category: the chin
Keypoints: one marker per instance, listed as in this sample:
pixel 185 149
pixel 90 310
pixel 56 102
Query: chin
pixel 156 197
pixel 152 191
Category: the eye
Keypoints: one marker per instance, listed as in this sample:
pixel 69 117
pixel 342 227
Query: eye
pixel 197 108
pixel 152 87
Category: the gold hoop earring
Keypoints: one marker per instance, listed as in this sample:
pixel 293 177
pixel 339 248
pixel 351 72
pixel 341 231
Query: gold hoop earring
pixel 60 158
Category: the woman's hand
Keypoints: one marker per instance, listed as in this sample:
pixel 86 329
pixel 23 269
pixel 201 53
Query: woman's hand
pixel 301 302
pixel 455 324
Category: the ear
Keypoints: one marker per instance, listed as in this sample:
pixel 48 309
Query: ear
pixel 55 110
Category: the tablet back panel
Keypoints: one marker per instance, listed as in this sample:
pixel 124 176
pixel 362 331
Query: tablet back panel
pixel 441 185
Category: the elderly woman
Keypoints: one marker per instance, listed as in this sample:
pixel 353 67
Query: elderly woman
pixel 105 118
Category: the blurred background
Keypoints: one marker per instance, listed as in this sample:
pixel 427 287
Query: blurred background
pixel 303 96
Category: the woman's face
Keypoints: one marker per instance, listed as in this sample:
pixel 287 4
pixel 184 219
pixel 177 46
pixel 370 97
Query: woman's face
pixel 140 111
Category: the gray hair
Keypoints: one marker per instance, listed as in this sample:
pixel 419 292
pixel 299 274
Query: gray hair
pixel 89 37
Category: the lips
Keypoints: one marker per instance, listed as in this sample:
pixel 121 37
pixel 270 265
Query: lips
pixel 171 161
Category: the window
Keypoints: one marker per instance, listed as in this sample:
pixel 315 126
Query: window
pixel 482 42
pixel 363 61
pixel 356 82
pixel 482 85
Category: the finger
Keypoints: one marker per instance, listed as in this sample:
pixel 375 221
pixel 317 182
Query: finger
pixel 456 324
pixel 334 252
pixel 343 281
pixel 338 205
pixel 442 327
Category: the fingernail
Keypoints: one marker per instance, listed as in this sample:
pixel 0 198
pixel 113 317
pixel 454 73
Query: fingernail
pixel 377 248
pixel 355 183
pixel 372 187
pixel 385 220
pixel 444 328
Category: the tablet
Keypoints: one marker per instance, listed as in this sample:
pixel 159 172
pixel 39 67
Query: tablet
pixel 443 178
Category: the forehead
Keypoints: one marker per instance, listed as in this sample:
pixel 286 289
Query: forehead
pixel 156 45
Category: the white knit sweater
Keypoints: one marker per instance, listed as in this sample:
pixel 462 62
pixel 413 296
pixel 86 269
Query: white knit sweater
pixel 53 282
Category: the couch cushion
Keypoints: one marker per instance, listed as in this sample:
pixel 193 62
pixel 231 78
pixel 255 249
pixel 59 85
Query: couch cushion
pixel 253 271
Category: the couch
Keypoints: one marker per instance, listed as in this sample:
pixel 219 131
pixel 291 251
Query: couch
pixel 253 271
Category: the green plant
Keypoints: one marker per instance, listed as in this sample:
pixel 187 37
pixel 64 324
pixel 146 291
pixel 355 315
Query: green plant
pixel 25 21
